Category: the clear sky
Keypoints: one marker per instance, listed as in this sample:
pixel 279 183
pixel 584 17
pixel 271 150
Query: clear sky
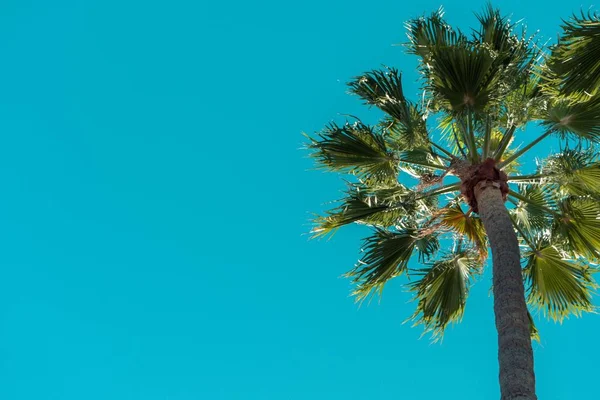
pixel 155 204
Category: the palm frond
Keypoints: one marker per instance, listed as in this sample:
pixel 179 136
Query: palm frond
pixel 462 77
pixel 383 89
pixel 449 129
pixel 442 290
pixel 578 222
pixel 425 33
pixel 523 104
pixel 575 171
pixel 386 256
pixel 467 225
pixel 514 54
pixel 556 285
pixel 420 160
pixel 533 213
pixel 578 118
pixel 574 61
pixel 355 148
pixel 378 207
pixel 471 74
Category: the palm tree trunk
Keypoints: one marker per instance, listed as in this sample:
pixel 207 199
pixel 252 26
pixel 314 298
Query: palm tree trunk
pixel 515 355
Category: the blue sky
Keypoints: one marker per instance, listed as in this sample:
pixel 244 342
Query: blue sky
pixel 155 206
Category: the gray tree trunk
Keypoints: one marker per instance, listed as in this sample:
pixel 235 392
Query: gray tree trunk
pixel 515 355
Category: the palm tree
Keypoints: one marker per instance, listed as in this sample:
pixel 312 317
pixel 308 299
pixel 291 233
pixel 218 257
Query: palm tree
pixel 446 168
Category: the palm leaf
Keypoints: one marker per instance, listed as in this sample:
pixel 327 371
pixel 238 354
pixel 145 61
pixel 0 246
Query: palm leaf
pixel 419 161
pixel 557 286
pixel 578 118
pixel 514 54
pixel 575 171
pixel 386 256
pixel 574 61
pixel 442 290
pixel 425 33
pixel 379 207
pixel 463 74
pixel 533 213
pixel 467 225
pixel 523 104
pixel 355 148
pixel 462 77
pixel 578 223
pixel 383 89
pixel 449 130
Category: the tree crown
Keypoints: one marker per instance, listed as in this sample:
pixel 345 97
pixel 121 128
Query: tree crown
pixel 481 90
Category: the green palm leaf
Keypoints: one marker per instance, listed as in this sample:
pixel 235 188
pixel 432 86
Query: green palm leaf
pixel 578 118
pixel 578 222
pixel 457 72
pixel 466 224
pixel 556 285
pixel 574 61
pixel 425 33
pixel 462 77
pixel 524 104
pixel 386 256
pixel 383 89
pixel 463 74
pixel 355 148
pixel 420 160
pixel 443 288
pixel 576 172
pixel 534 213
pixel 379 207
pixel 514 54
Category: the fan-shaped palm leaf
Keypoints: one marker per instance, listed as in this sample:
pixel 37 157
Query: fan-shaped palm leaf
pixel 575 171
pixel 386 256
pixel 579 118
pixel 354 148
pixel 379 207
pixel 462 77
pixel 420 159
pixel 466 224
pixel 425 33
pixel 514 54
pixel 557 286
pixel 443 288
pixel 534 208
pixel 578 222
pixel 574 61
pixel 383 89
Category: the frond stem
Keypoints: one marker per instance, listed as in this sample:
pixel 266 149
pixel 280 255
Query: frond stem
pixel 443 150
pixel 458 143
pixel 524 149
pixel 487 138
pixel 471 133
pixel 527 177
pixel 526 200
pixel 467 138
pixel 504 142
pixel 518 228
pixel 451 187
pixel 425 164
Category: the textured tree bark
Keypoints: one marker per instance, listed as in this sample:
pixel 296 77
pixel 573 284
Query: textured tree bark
pixel 515 355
